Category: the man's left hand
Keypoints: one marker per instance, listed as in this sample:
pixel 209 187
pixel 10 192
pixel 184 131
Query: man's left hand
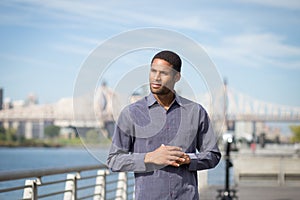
pixel 187 160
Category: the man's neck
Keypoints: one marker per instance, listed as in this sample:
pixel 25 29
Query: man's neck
pixel 165 100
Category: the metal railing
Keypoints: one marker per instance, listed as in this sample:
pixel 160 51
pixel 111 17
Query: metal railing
pixel 72 183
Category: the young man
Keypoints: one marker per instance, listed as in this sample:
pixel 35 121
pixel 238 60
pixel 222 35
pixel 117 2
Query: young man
pixel 164 138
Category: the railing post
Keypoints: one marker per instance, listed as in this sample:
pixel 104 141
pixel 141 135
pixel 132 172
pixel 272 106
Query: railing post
pixel 121 193
pixel 99 192
pixel 70 188
pixel 30 190
pixel 281 173
pixel 202 179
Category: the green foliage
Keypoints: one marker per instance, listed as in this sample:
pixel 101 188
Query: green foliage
pixel 8 137
pixel 2 130
pixel 2 133
pixel 8 134
pixel 296 133
pixel 51 131
pixel 92 136
pixel 11 134
pixel 69 142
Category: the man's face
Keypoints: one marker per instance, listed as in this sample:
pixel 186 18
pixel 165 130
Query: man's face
pixel 162 77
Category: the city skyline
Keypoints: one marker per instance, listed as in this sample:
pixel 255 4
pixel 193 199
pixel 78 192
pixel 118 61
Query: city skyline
pixel 254 45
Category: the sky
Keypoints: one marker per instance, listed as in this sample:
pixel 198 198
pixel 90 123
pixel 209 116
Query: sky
pixel 254 44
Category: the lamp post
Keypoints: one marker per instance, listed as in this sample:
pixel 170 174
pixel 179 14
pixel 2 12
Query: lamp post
pixel 227 193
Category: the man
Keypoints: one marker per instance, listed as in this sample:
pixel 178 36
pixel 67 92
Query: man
pixel 164 138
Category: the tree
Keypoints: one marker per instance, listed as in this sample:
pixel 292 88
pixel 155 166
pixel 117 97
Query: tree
pixel 296 133
pixel 11 134
pixel 92 136
pixel 52 131
pixel 2 133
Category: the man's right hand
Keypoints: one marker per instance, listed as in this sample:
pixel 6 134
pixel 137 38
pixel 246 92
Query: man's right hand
pixel 166 155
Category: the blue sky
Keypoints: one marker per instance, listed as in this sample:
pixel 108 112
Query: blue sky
pixel 254 44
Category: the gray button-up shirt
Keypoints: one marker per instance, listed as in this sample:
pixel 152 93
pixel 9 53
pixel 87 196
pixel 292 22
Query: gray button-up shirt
pixel 144 126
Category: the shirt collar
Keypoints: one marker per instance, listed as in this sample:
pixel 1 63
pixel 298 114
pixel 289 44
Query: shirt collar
pixel 151 100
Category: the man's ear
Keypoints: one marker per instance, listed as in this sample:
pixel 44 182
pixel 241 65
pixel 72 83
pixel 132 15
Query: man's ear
pixel 177 76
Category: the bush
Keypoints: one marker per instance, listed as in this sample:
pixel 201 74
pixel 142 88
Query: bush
pixel 51 131
pixel 296 133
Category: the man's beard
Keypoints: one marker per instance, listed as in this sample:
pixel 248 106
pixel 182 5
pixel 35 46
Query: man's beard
pixel 161 91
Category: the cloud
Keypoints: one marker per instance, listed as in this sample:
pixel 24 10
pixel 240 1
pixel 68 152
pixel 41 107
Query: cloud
pixel 72 49
pixel 288 4
pixel 51 14
pixel 80 14
pixel 257 50
pixel 24 59
pixel 249 49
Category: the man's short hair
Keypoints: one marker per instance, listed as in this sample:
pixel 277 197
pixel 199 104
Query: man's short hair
pixel 170 57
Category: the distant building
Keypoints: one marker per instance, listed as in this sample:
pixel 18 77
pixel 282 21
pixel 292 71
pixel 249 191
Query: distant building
pixel 31 100
pixel 7 104
pixel 18 104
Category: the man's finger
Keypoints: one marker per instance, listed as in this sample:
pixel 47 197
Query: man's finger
pixel 173 148
pixel 176 158
pixel 176 153
pixel 174 164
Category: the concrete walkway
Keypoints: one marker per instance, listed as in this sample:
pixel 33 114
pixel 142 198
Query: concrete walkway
pixel 255 193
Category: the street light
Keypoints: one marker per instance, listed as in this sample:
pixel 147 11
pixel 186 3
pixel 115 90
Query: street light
pixel 227 193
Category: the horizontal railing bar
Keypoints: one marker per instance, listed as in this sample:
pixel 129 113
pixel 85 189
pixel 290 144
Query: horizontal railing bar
pixel 110 190
pixel 12 189
pixel 13 175
pixel 53 193
pixel 87 186
pixel 53 182
pixel 85 197
pixel 112 181
pixel 88 177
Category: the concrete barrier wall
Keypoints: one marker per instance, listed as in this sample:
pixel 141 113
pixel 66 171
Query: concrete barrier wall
pixel 266 171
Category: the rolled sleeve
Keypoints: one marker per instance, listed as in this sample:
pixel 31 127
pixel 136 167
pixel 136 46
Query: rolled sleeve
pixel 120 160
pixel 139 162
pixel 194 162
pixel 204 160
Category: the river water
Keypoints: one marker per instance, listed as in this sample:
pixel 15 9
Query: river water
pixel 36 158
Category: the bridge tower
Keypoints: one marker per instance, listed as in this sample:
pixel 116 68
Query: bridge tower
pixel 229 124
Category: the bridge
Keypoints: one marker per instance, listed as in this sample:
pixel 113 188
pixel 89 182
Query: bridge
pixel 92 111
pixel 242 107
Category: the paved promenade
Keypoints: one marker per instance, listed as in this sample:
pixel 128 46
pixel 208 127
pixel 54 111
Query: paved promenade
pixel 255 193
pixel 280 160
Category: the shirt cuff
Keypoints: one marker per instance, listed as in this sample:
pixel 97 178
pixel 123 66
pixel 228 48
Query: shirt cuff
pixel 139 162
pixel 194 161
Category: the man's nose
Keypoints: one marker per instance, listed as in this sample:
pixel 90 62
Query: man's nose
pixel 157 76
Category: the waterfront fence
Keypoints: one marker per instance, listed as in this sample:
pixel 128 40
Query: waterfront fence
pixel 94 182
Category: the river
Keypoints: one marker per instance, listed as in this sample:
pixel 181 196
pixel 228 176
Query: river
pixel 36 158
